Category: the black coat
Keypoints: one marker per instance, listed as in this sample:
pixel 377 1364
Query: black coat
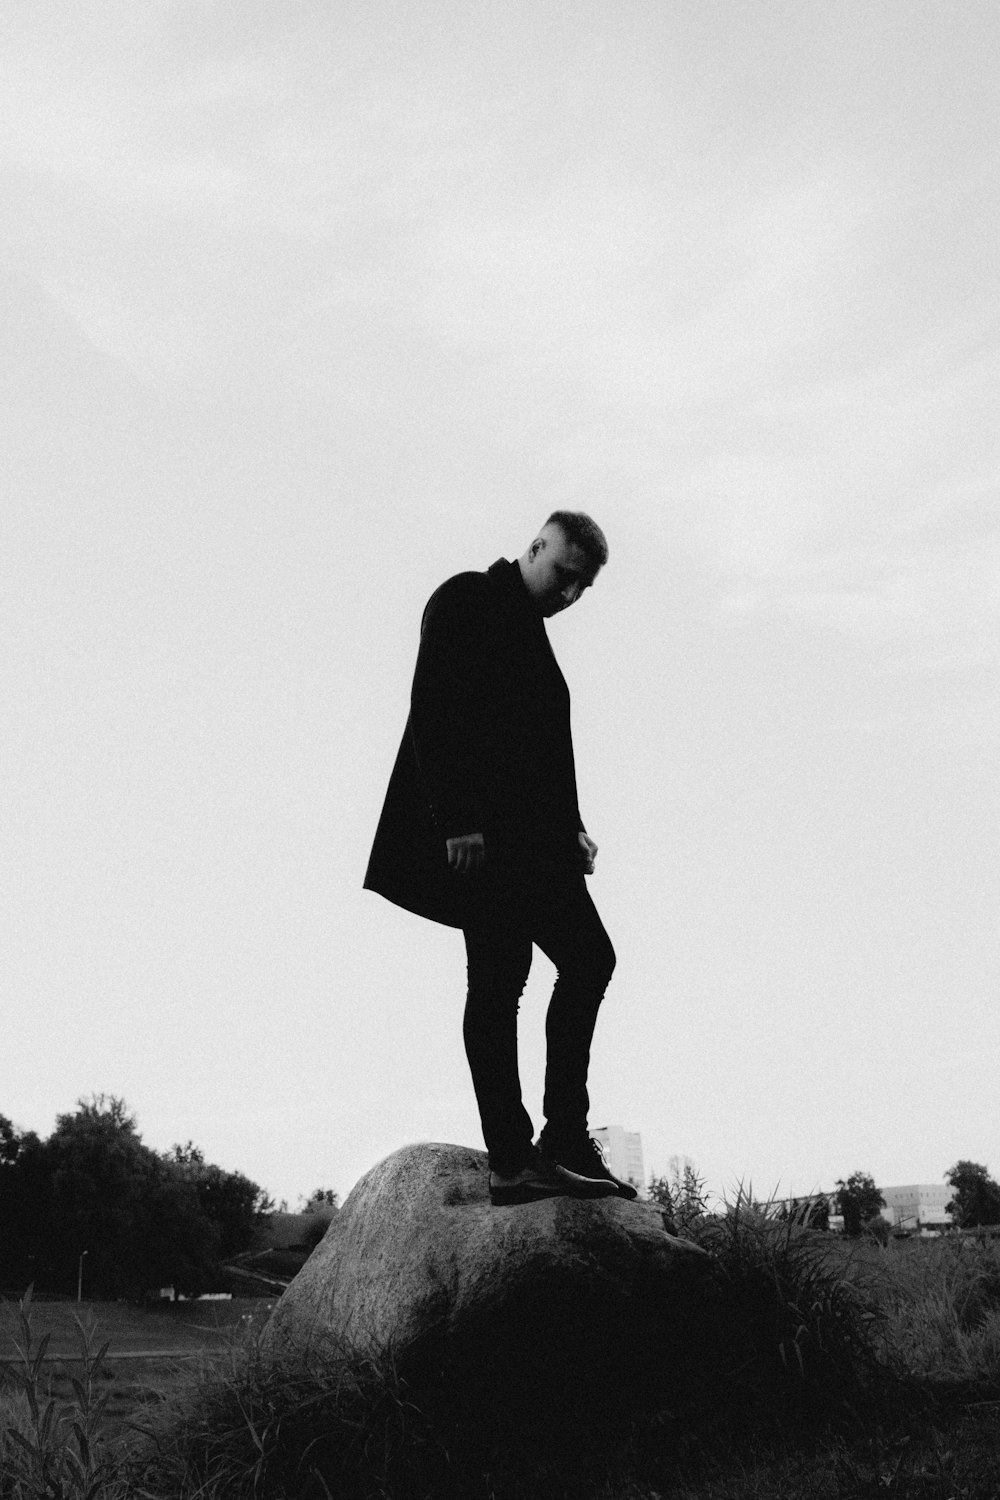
pixel 487 748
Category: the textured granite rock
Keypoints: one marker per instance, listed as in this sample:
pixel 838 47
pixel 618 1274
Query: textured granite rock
pixel 418 1257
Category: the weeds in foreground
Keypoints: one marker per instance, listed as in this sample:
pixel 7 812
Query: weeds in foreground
pixel 777 1343
pixel 810 1335
pixel 941 1302
pixel 327 1425
pixel 805 1368
pixel 53 1450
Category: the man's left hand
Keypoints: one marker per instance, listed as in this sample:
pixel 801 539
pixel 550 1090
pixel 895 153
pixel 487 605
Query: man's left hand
pixel 588 852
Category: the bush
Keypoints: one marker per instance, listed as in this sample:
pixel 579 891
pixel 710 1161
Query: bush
pixel 795 1336
pixel 780 1341
pixel 807 1367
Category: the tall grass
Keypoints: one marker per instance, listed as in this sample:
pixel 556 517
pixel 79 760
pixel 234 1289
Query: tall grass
pixel 804 1367
pixel 52 1449
pixel 941 1303
pixel 778 1342
pixel 798 1335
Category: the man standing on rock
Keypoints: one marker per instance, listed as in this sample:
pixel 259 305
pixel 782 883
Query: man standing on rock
pixel 481 830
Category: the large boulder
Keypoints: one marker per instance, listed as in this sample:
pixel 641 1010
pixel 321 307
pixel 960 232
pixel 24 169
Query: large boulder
pixel 418 1259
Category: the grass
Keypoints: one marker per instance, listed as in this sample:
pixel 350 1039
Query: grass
pixel 152 1351
pixel 943 1313
pixel 811 1368
pixel 176 1326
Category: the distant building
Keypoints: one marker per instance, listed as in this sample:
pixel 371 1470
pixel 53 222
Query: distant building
pixel 916 1209
pixel 623 1150
pixel 919 1208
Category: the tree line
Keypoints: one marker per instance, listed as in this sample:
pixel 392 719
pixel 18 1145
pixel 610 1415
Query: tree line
pixel 975 1204
pixel 93 1205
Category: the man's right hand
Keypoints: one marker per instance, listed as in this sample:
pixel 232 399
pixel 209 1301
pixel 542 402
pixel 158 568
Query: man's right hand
pixel 467 853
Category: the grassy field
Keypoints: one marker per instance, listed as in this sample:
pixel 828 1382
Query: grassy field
pixel 819 1370
pixel 175 1327
pixel 151 1350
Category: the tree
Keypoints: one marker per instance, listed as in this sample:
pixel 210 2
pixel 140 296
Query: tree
pixel 185 1156
pixel 14 1142
pixel 10 1142
pixel 859 1200
pixel 110 1195
pixel 143 1219
pixel 321 1198
pixel 23 1201
pixel 232 1202
pixel 977 1196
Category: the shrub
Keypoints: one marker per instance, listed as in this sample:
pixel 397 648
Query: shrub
pixel 329 1424
pixel 779 1341
pixel 793 1336
pixel 804 1367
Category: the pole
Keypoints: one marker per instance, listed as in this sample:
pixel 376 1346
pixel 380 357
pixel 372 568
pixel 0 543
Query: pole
pixel 79 1278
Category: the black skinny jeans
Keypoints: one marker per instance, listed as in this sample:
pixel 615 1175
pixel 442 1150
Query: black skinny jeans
pixel 550 906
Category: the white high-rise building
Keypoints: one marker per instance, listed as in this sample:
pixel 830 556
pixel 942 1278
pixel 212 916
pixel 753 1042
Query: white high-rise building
pixel 623 1151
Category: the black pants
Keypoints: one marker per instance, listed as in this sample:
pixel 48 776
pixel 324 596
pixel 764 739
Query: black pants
pixel 550 906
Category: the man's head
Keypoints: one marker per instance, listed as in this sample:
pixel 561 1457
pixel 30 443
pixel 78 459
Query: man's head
pixel 563 560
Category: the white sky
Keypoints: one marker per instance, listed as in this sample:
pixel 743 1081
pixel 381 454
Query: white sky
pixel 305 307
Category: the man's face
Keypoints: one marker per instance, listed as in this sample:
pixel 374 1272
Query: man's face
pixel 557 574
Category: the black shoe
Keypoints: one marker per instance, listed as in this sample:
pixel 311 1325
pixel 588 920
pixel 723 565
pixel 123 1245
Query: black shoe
pixel 543 1178
pixel 586 1158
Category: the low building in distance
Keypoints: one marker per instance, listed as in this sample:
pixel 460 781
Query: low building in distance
pixel 918 1209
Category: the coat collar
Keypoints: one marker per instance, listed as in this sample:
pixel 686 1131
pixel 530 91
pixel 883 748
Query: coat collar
pixel 506 577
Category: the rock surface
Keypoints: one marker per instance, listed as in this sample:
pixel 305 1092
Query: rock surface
pixel 418 1257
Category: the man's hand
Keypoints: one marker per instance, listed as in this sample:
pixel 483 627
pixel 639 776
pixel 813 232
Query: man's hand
pixel 467 853
pixel 587 852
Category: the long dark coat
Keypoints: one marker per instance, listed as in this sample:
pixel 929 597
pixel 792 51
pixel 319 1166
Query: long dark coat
pixel 487 748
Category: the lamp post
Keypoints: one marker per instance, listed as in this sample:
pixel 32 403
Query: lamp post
pixel 79 1278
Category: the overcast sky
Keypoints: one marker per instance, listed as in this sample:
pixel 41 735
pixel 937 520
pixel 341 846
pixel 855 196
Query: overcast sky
pixel 307 306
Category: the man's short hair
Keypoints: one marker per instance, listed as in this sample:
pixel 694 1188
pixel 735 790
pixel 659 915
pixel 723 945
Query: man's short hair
pixel 580 531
